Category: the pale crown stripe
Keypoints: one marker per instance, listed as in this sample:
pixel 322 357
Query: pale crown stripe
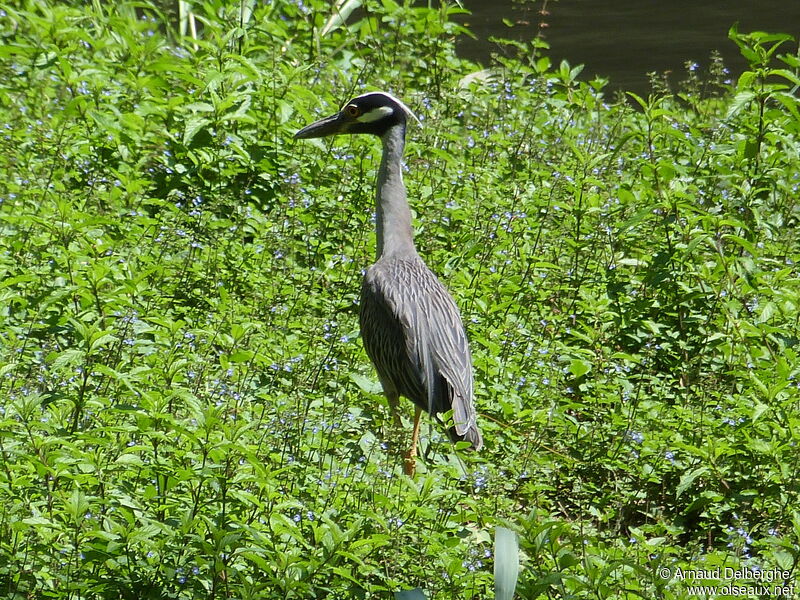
pixel 376 114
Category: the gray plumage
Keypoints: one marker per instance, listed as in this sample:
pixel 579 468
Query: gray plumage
pixel 413 334
pixel 410 325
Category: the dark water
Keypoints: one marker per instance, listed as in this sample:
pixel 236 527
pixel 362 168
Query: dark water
pixel 625 39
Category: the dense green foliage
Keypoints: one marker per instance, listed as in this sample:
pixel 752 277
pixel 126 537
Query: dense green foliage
pixel 186 410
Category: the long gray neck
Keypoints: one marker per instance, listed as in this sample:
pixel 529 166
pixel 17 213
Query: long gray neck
pixel 393 216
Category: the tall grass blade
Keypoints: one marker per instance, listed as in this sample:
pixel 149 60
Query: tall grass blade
pixel 506 563
pixel 184 9
pixel 246 11
pixel 415 594
pixel 341 10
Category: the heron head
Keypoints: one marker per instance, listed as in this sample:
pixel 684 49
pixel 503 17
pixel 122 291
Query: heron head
pixel 374 112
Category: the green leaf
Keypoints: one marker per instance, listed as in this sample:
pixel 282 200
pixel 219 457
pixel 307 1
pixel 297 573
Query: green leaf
pixel 102 339
pixel 76 505
pixel 687 479
pixel 739 102
pixel 241 356
pixel 200 107
pixel 370 386
pixel 193 125
pixel 70 357
pixel 129 459
pixel 769 310
pixel 747 245
pixel 579 367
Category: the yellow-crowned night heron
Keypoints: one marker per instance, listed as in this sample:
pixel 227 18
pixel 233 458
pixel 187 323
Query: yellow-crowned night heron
pixel 410 325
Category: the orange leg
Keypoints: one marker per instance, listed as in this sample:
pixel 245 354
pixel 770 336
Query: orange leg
pixel 410 462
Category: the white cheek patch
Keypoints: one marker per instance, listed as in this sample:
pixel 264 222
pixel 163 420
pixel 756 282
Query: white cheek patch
pixel 375 114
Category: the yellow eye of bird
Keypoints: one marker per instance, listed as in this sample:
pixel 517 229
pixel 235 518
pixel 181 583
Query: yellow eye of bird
pixel 352 110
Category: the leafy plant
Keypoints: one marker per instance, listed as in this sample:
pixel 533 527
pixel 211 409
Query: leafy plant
pixel 186 411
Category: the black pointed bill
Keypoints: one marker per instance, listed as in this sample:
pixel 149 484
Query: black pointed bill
pixel 324 127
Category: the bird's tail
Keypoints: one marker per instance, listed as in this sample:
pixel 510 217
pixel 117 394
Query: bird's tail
pixel 471 435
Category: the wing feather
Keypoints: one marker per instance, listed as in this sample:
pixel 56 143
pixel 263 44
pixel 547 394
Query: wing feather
pixel 413 333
